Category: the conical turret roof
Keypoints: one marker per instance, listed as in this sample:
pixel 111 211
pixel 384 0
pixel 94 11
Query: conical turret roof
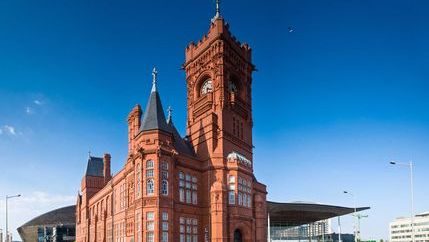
pixel 154 117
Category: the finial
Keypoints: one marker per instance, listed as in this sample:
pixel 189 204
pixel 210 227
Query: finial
pixel 89 154
pixel 154 79
pixel 217 8
pixel 217 15
pixel 170 114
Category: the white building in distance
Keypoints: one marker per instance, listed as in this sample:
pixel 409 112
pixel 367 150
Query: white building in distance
pixel 400 229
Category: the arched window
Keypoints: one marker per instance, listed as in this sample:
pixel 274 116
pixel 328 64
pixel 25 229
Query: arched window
pixel 138 181
pixel 149 164
pixel 238 237
pixel 206 87
pixel 164 177
pixel 150 187
pixel 164 187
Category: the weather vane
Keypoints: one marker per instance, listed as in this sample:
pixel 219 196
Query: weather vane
pixel 154 79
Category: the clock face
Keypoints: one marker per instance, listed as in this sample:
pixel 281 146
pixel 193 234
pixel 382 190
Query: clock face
pixel 206 87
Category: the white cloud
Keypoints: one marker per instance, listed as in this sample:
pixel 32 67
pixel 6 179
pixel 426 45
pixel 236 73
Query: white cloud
pixel 28 110
pixel 38 102
pixel 7 129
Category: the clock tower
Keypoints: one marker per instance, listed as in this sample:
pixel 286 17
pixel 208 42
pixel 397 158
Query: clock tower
pixel 219 77
pixel 219 127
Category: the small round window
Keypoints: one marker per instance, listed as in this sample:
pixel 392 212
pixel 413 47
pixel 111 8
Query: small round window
pixel 206 87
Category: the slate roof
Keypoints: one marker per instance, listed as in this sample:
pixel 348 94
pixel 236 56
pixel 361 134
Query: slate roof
pixel 181 145
pixel 95 166
pixel 65 215
pixel 154 117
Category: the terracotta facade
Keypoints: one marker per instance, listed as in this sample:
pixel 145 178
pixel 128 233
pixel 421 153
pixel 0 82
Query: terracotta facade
pixel 197 188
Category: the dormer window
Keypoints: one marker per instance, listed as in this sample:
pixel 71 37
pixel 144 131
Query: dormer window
pixel 206 87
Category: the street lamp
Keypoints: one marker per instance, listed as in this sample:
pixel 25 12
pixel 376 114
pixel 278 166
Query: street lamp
pixel 354 214
pixel 7 231
pixel 409 165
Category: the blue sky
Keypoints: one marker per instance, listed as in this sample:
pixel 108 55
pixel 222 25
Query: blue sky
pixel 333 101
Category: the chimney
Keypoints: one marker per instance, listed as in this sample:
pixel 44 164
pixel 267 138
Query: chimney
pixel 106 170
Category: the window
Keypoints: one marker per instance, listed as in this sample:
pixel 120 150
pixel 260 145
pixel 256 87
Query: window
pixel 188 229
pixel 138 228
pixel 149 168
pixel 150 226
pixel 150 189
pixel 164 165
pixel 244 192
pixel 206 87
pixel 149 173
pixel 164 187
pixel 164 234
pixel 231 193
pixel 120 232
pixel 181 187
pixel 138 181
pixel 188 188
pixel 122 196
pixel 150 184
pixel 164 177
pixel 232 87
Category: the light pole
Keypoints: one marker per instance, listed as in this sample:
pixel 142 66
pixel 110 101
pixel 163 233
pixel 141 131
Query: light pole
pixel 354 214
pixel 410 165
pixel 7 231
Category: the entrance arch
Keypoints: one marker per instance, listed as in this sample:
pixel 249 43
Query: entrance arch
pixel 238 237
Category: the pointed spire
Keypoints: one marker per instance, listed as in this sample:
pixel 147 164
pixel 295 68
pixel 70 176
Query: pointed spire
pixel 154 79
pixel 154 117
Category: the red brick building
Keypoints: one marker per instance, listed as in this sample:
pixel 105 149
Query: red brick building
pixel 197 188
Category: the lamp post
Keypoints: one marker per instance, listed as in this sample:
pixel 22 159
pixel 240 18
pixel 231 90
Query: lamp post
pixel 354 214
pixel 7 229
pixel 411 166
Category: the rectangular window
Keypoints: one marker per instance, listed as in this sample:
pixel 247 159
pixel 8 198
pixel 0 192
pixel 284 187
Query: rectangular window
pixel 165 226
pixel 188 187
pixel 188 196
pixel 164 174
pixel 194 197
pixel 138 228
pixel 149 173
pixel 150 225
pixel 149 236
pixel 164 216
pixel 190 234
pixel 231 197
pixel 164 237
pixel 182 194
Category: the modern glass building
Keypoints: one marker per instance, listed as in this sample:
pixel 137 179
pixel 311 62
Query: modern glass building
pixel 58 225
